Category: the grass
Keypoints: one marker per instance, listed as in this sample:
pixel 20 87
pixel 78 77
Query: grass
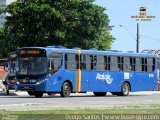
pixel 86 114
pixel 86 111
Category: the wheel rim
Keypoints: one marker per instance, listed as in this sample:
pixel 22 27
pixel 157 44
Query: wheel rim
pixel 66 90
pixel 125 89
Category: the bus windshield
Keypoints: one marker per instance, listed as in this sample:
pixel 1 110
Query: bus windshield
pixel 11 66
pixel 32 65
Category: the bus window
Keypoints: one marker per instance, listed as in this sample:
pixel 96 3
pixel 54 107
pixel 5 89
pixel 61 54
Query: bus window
pixel 37 65
pixel 23 65
pixel 55 62
pixel 132 63
pixel 138 65
pixel 153 64
pixel 11 65
pixel 150 64
pixel 126 64
pixel 144 64
pixel 100 63
pixel 114 66
pixel 120 62
pixel 71 61
pixel 107 60
pixel 85 62
pixel 92 61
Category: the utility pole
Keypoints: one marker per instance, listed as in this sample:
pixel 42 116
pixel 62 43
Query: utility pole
pixel 137 42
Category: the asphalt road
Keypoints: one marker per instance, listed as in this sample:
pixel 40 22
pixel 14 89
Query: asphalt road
pixel 22 101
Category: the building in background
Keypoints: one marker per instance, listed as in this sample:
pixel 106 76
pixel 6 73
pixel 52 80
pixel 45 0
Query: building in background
pixel 4 3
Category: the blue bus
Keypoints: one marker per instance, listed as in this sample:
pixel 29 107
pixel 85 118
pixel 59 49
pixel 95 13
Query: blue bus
pixel 9 82
pixel 157 52
pixel 59 70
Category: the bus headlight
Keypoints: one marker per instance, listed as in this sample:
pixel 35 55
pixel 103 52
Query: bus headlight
pixel 41 81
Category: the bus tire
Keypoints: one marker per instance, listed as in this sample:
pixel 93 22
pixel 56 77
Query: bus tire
pixel 100 93
pixel 65 90
pixel 6 90
pixel 38 94
pixel 31 93
pixel 124 89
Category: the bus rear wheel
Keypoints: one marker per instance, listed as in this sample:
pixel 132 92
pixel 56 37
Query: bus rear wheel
pixel 124 89
pixel 65 90
pixel 38 94
pixel 99 93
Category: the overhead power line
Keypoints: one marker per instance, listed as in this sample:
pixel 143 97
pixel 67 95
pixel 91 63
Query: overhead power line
pixel 131 34
pixel 150 37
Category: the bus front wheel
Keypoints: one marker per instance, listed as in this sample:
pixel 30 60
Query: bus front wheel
pixel 6 90
pixel 65 90
pixel 38 94
pixel 99 93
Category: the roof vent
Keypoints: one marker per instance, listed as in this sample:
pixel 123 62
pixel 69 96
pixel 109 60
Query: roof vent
pixel 55 46
pixel 130 51
pixel 113 50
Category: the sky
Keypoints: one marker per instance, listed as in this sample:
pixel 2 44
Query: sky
pixel 125 28
pixel 9 1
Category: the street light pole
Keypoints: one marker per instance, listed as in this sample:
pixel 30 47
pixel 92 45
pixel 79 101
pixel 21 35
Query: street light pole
pixel 137 42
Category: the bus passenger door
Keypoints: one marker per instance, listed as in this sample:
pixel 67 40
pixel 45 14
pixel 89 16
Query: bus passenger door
pixel 55 75
pixel 88 79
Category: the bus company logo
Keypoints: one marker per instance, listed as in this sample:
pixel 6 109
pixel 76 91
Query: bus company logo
pixel 143 15
pixel 105 77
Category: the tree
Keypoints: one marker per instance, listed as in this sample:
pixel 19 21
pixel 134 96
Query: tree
pixel 3 50
pixel 71 23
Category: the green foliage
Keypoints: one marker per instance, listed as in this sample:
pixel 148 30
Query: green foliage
pixel 71 23
pixel 3 44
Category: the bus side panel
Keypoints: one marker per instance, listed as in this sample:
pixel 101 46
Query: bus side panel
pixel 101 81
pixel 54 83
pixel 143 81
pixel 71 76
pixel 135 81
pixel 109 81
pixel 148 81
pixel 89 79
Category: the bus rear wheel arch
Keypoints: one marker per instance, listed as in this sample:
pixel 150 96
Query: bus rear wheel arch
pixel 66 89
pixel 125 89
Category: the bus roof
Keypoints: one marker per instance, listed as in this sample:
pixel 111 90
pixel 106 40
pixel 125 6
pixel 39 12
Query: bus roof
pixel 92 51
